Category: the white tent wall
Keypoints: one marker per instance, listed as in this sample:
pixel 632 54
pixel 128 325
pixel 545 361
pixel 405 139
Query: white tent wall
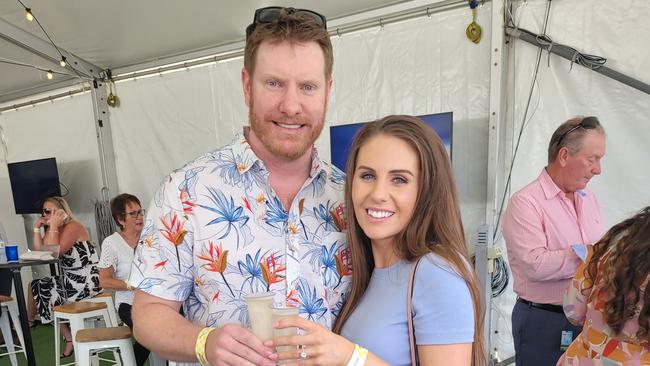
pixel 421 66
pixel 596 27
pixel 165 121
pixel 63 129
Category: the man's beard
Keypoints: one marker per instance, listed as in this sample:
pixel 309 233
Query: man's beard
pixel 284 148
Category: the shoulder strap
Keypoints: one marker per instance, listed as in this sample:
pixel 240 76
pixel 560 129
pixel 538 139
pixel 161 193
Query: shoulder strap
pixel 409 311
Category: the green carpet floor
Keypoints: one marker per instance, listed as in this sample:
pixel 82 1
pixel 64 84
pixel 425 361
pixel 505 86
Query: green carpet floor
pixel 43 340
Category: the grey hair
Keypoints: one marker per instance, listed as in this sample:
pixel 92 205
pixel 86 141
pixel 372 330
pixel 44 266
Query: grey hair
pixel 572 140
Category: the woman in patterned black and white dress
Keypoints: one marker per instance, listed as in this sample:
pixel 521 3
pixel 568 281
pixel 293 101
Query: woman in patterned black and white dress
pixel 79 273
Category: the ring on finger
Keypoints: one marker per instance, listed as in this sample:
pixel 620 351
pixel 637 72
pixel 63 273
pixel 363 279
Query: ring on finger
pixel 303 354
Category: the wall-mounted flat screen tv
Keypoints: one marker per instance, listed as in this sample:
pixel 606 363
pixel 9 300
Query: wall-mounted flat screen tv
pixel 341 136
pixel 31 182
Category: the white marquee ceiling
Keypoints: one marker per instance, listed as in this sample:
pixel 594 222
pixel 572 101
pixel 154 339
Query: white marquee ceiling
pixel 114 34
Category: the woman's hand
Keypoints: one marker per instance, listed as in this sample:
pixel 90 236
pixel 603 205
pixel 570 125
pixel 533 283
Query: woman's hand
pixel 40 223
pixel 57 218
pixel 321 346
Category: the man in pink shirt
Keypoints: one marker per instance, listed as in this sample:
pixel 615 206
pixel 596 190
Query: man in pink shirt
pixel 546 226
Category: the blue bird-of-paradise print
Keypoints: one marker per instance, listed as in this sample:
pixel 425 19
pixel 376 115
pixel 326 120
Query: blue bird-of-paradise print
pixel 276 216
pixel 251 271
pixel 195 305
pixel 240 311
pixel 213 318
pixel 189 182
pixel 336 310
pixel 184 285
pixel 337 176
pixel 328 264
pixel 318 185
pixel 312 252
pixel 324 214
pixel 310 304
pixel 148 282
pixel 226 212
pixel 235 169
pixel 224 196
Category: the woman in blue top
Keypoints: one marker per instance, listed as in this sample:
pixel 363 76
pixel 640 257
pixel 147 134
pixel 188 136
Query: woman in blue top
pixel 402 206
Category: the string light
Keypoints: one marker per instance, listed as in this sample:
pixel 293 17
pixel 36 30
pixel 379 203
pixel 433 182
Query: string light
pixel 46 71
pixel 62 61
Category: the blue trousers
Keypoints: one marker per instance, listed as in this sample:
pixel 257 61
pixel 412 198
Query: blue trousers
pixel 536 333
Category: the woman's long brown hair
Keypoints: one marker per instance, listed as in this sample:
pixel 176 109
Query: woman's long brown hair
pixel 620 265
pixel 435 227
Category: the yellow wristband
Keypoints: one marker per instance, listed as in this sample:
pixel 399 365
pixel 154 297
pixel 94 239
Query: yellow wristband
pixel 358 356
pixel 199 347
pixel 37 230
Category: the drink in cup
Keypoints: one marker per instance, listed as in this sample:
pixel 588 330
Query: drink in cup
pixel 11 252
pixel 279 313
pixel 259 312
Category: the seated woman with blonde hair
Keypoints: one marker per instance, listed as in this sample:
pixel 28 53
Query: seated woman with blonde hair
pixel 78 264
pixel 610 295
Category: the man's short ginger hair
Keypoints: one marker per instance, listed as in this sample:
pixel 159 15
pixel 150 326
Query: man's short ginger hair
pixel 292 27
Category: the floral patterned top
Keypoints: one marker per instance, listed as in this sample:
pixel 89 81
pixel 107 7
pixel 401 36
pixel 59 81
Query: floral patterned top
pixel 216 231
pixel 597 344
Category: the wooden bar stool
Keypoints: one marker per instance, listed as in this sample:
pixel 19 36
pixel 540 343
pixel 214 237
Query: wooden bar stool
pixel 77 314
pixel 97 339
pixel 10 311
pixel 107 298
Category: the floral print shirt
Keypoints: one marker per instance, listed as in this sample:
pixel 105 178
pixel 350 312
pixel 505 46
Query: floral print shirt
pixel 216 231
pixel 597 344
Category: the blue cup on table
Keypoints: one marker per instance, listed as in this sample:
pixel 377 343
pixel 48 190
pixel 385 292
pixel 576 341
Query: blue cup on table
pixel 12 253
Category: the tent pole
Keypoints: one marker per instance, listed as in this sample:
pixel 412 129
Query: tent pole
pixel 104 140
pixel 569 54
pixel 485 253
pixel 46 50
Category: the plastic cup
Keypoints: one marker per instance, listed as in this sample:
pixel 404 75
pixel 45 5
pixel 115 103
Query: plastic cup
pixel 12 253
pixel 278 313
pixel 259 312
pixel 54 249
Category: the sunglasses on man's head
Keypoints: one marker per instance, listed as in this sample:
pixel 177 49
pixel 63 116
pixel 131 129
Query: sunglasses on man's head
pixel 271 14
pixel 588 123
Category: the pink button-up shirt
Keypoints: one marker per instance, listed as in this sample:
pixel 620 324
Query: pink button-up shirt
pixel 539 227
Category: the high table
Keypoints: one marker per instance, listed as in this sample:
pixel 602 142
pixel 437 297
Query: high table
pixel 15 268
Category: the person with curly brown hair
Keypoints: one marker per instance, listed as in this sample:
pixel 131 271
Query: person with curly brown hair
pixel 610 296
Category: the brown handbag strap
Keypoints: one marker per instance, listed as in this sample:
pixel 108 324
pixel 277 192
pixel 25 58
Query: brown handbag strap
pixel 409 311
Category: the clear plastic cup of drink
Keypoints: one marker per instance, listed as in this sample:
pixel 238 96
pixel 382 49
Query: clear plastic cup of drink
pixel 260 314
pixel 279 313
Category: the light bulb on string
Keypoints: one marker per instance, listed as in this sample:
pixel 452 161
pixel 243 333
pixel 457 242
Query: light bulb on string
pixel 50 75
pixel 62 62
pixel 28 14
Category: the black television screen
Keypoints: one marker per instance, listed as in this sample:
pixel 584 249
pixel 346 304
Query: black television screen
pixel 341 136
pixel 31 182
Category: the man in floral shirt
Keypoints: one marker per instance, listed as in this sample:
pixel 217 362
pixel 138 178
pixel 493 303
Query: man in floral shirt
pixel 261 214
